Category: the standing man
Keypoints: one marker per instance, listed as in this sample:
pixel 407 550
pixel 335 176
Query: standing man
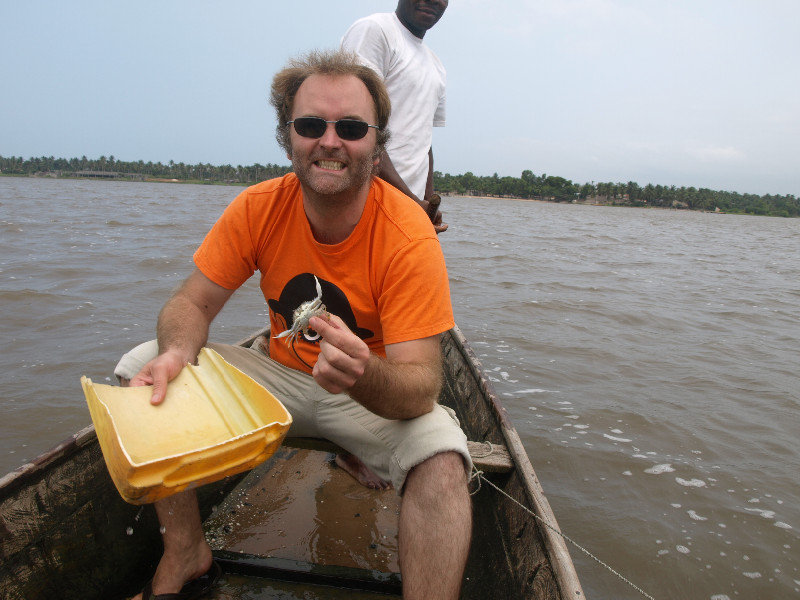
pixel 391 44
pixel 369 374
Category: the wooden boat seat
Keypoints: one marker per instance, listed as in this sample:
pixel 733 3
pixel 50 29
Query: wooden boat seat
pixel 489 458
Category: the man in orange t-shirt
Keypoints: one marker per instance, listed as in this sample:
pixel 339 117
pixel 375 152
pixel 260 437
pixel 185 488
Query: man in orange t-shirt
pixel 367 373
pixel 387 280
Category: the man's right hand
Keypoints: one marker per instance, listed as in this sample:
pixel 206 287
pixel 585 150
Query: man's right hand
pixel 437 219
pixel 438 226
pixel 158 373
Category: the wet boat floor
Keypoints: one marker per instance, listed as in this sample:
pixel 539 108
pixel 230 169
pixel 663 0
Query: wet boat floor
pixel 297 526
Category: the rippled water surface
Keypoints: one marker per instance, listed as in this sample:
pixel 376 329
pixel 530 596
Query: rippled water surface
pixel 648 358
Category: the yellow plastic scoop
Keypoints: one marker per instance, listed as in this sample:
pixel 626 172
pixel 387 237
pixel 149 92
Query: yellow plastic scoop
pixel 215 422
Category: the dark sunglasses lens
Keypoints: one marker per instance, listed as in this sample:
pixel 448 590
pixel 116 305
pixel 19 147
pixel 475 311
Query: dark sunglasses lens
pixel 350 129
pixel 310 127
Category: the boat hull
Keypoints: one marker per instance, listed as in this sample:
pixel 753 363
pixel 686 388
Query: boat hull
pixel 65 531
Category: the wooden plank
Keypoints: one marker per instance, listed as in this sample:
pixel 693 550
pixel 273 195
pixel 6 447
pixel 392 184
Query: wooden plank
pixel 487 457
pixel 490 458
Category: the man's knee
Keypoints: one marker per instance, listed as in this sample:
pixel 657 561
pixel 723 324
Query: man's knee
pixel 443 471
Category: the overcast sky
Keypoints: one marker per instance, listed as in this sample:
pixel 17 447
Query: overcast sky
pixel 702 93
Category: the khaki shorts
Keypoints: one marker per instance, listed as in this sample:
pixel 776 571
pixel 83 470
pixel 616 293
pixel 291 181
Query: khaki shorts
pixel 389 448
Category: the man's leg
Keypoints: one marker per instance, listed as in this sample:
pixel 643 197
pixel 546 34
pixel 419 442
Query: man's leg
pixel 186 552
pixel 435 528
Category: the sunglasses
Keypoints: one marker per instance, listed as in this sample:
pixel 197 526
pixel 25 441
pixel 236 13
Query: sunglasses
pixel 346 129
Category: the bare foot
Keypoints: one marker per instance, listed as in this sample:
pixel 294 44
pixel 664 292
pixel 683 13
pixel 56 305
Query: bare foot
pixel 360 472
pixel 170 576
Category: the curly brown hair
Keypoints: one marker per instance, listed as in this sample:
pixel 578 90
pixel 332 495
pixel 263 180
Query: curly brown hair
pixel 326 62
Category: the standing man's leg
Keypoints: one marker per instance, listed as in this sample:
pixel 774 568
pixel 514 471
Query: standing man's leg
pixel 435 528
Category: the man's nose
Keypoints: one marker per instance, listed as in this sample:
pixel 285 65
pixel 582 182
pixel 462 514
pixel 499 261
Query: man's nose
pixel 330 138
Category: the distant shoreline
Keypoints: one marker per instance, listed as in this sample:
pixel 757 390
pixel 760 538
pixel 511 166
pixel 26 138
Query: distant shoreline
pixel 446 195
pixel 675 199
pixel 130 179
pixel 586 203
pixel 239 184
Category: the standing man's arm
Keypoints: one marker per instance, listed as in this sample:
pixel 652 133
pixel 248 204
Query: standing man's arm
pixel 388 173
pixel 429 181
pixel 437 218
pixel 183 326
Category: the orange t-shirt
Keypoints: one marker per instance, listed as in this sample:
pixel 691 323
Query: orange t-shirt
pixel 387 280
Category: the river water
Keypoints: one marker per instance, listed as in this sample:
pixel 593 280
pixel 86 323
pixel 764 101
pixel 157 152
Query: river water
pixel 648 358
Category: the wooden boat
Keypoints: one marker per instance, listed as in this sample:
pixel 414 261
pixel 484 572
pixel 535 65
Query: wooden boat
pixel 66 533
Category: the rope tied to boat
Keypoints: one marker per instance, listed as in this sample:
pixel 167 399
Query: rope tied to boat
pixel 489 451
pixel 479 476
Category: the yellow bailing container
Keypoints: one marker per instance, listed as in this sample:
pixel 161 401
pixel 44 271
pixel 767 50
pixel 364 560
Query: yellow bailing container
pixel 215 422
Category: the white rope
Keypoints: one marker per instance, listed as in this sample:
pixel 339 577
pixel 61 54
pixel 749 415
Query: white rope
pixel 489 451
pixel 479 476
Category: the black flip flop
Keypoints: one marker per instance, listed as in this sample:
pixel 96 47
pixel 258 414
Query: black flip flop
pixel 191 590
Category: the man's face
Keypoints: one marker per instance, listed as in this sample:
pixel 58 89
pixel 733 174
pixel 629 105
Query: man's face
pixel 330 165
pixel 420 15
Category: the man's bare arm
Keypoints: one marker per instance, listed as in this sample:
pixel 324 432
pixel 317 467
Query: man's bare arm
pixel 403 385
pixel 182 330
pixel 429 180
pixel 388 173
pixel 184 321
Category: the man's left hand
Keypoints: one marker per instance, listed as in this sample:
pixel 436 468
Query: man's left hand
pixel 343 356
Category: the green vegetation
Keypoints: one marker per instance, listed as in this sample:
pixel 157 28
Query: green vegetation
pixel 110 168
pixel 558 189
pixel 528 185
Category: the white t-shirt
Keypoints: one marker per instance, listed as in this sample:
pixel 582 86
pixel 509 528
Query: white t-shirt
pixel 415 79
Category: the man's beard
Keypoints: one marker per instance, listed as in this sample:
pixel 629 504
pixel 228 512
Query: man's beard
pixel 359 172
